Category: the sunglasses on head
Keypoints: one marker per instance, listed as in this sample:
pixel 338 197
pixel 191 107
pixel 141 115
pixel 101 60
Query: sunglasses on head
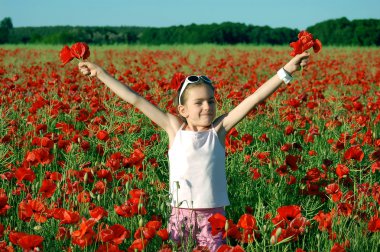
pixel 192 79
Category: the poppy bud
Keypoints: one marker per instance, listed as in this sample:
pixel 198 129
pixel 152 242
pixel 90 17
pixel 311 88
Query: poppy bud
pixel 278 232
pixel 92 195
pixel 37 228
pixel 140 206
pixel 273 240
pixel 141 223
pixel 127 186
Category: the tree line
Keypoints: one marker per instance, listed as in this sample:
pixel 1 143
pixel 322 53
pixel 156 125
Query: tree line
pixel 363 32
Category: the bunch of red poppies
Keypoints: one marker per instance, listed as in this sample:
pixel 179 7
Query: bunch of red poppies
pixel 79 50
pixel 305 41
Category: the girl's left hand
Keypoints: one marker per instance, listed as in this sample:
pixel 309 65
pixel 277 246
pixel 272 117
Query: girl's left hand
pixel 299 61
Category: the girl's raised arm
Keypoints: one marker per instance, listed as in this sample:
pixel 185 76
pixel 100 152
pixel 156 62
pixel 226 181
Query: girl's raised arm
pixel 229 120
pixel 162 119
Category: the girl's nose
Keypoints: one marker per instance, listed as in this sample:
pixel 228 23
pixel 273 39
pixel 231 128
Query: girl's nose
pixel 206 105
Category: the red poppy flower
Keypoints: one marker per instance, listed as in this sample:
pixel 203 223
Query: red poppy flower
pixel 374 224
pixel 138 193
pixel 103 173
pixel 65 55
pixel 123 210
pixel 247 221
pixel 334 190
pixel 217 222
pixel 109 247
pixel 99 187
pixel 25 174
pixel 84 236
pixel 163 233
pixel 4 206
pixel 337 248
pixel 255 173
pixel 26 241
pixel 176 80
pixel 43 142
pixel 115 160
pixel 228 248
pixel 232 231
pixel 32 209
pixel 69 217
pixel 300 250
pixel 155 224
pixel 299 224
pixel 39 156
pixel 305 41
pixel 291 161
pixel 313 175
pixel 354 152
pixel 282 170
pixel 115 234
pixel 375 166
pixel 286 214
pixel 324 220
pixel 102 135
pixel 84 197
pixel 342 170
pixel 48 188
pixel 80 50
pixel 345 209
pixel 145 232
pixel 138 245
pixel 98 212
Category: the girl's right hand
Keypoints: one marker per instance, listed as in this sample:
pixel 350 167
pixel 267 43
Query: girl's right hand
pixel 89 69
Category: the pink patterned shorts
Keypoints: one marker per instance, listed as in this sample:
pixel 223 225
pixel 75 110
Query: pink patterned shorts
pixel 191 225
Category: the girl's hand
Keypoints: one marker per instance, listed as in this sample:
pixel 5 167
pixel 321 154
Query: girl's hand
pixel 89 69
pixel 299 61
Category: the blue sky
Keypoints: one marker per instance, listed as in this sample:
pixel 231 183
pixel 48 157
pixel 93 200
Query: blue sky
pixel 161 13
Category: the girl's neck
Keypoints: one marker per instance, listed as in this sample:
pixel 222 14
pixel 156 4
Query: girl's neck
pixel 188 127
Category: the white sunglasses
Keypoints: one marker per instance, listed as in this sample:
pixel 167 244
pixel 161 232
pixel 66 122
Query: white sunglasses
pixel 192 79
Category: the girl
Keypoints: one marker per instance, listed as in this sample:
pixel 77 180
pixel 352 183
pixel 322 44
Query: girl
pixel 196 146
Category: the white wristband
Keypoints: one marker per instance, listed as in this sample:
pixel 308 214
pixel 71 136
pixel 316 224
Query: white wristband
pixel 284 76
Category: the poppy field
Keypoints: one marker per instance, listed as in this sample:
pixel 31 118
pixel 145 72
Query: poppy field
pixel 81 170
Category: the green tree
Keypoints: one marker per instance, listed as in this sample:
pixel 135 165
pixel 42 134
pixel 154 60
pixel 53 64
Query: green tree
pixel 5 28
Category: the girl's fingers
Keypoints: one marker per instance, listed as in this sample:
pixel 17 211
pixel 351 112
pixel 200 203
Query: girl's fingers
pixel 84 68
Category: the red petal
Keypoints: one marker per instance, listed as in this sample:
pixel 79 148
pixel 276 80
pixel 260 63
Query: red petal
pixel 30 241
pixel 297 48
pixel 65 55
pixel 80 50
pixel 247 221
pixel 317 45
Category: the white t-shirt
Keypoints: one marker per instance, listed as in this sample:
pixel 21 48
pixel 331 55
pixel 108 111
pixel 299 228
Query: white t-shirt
pixel 197 170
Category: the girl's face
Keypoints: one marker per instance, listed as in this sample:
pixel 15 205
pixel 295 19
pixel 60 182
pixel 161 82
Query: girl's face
pixel 199 108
